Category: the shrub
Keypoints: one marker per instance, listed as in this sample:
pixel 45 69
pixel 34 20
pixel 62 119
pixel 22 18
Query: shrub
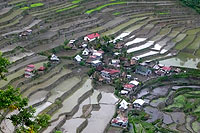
pixel 82 63
pixel 91 71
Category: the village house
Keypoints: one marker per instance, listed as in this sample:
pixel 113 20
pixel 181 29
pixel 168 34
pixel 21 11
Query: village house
pixel 124 92
pixel 96 63
pixel 134 82
pixel 110 74
pixel 99 53
pixel 128 87
pixel 123 105
pixel 145 71
pixel 166 69
pixel 42 68
pixel 54 58
pixel 25 33
pixel 92 37
pixel 84 45
pixel 78 58
pixel 138 103
pixel 115 62
pixel 29 71
pixel 120 122
pixel 86 52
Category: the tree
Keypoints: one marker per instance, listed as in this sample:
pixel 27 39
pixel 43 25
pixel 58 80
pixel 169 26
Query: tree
pixel 3 66
pixel 11 100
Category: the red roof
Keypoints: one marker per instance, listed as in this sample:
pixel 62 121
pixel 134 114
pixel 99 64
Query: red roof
pixel 93 56
pixel 29 70
pixel 31 66
pixel 166 68
pixel 41 68
pixel 94 35
pixel 100 51
pixel 128 86
pixel 111 71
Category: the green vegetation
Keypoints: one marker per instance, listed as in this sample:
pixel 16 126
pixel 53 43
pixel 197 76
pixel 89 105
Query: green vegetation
pixel 11 16
pixel 37 5
pixel 179 102
pixel 138 120
pixel 11 100
pixel 67 8
pixel 29 7
pixel 163 13
pixel 116 13
pixel 195 4
pixel 103 6
pixel 76 1
pixel 25 8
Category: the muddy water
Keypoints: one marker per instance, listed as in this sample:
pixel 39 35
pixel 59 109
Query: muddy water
pixel 178 117
pixel 72 124
pixel 143 93
pixel 167 119
pixel 75 123
pixel 55 93
pixel 160 91
pixel 156 102
pixel 182 60
pixel 47 83
pixel 37 97
pixel 72 101
pixel 154 113
pixel 62 88
pixel 42 107
pixel 103 116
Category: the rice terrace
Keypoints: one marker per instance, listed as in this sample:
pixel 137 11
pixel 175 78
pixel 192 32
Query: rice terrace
pixel 100 66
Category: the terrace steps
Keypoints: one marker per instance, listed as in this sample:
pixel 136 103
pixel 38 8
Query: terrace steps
pixel 48 84
pixel 14 76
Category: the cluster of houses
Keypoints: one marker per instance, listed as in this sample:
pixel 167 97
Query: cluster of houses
pixel 121 120
pixel 108 69
pixel 127 88
pixel 31 70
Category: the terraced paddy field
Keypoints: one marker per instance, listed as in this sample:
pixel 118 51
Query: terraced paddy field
pixel 152 30
pixel 172 106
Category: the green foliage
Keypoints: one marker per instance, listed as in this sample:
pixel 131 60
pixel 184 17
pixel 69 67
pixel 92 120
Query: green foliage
pixel 67 48
pixel 66 42
pixel 82 63
pixel 163 13
pixel 195 4
pixel 116 13
pixel 76 1
pixel 25 118
pixel 58 131
pixel 36 5
pixel 25 8
pixel 3 66
pixel 103 6
pixel 67 8
pixel 11 99
pixel 91 71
